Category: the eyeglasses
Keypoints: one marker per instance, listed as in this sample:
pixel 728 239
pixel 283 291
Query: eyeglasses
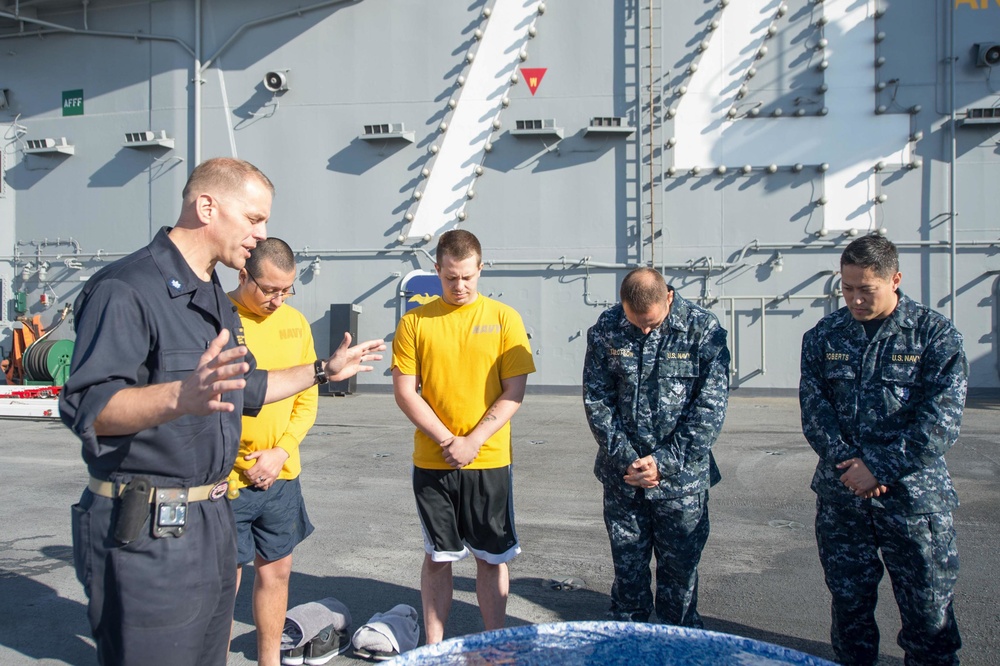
pixel 271 294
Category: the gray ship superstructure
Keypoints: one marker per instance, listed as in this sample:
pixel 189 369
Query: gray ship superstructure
pixel 737 146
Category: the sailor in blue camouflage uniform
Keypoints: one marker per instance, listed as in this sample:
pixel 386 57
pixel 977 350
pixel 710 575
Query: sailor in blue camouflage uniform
pixel 882 391
pixel 655 389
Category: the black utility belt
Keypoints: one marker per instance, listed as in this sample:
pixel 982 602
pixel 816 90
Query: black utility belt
pixel 169 505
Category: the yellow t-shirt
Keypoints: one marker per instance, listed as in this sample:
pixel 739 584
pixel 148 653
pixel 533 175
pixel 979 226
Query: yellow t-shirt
pixel 281 340
pixel 461 353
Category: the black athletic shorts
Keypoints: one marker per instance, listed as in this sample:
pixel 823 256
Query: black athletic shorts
pixel 463 510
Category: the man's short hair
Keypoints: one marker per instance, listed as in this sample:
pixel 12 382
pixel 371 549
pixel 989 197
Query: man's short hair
pixel 459 244
pixel 273 250
pixel 223 174
pixel 643 288
pixel 875 252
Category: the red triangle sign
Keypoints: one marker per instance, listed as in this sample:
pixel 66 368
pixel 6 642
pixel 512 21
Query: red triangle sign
pixel 533 76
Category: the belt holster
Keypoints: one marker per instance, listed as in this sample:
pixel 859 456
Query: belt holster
pixel 133 510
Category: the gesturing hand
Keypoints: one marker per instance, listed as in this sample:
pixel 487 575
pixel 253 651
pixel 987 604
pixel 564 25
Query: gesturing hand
pixel 347 361
pixel 219 370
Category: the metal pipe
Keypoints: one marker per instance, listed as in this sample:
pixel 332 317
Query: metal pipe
pixel 953 181
pixel 95 256
pixel 58 241
pixel 196 82
pixel 768 298
pixel 932 244
pixel 746 248
pixel 586 295
pixel 763 339
pixel 100 255
pixel 709 264
pixel 55 28
pixel 706 264
pixel 583 262
pixel 373 251
pixel 640 248
pixel 736 334
pixel 196 52
pixel 764 302
pixel 996 317
pixel 562 262
pixel 201 67
pixel 275 17
pixel 652 122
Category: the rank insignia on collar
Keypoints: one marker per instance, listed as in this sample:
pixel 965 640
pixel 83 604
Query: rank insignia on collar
pixel 175 283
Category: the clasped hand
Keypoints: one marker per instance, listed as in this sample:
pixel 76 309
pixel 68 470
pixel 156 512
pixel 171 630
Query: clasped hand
pixel 643 473
pixel 860 480
pixel 459 451
pixel 267 466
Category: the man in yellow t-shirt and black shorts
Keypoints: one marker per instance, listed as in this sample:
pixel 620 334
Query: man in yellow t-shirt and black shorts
pixel 459 367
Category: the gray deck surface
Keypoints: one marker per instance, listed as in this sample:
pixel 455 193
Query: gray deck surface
pixel 760 576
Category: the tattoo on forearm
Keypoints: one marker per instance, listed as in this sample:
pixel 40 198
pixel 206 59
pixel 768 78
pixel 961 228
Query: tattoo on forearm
pixel 489 415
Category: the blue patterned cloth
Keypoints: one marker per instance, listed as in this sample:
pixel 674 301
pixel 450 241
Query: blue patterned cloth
pixel 895 402
pixel 603 644
pixel 662 394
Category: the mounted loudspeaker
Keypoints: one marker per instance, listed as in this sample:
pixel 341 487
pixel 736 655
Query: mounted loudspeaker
pixel 276 81
pixel 987 54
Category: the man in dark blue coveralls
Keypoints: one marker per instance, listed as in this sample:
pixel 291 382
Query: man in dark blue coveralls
pixel 655 388
pixel 158 382
pixel 882 392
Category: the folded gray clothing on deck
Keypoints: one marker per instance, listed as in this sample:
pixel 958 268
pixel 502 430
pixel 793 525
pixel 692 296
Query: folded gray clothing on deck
pixel 303 622
pixel 394 631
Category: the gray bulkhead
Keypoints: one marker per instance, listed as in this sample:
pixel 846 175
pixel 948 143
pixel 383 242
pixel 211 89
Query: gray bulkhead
pixel 765 136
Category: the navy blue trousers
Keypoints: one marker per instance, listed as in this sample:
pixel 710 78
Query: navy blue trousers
pixel 676 531
pixel 921 556
pixel 158 602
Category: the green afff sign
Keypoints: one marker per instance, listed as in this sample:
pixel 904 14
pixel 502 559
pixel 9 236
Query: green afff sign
pixel 72 102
